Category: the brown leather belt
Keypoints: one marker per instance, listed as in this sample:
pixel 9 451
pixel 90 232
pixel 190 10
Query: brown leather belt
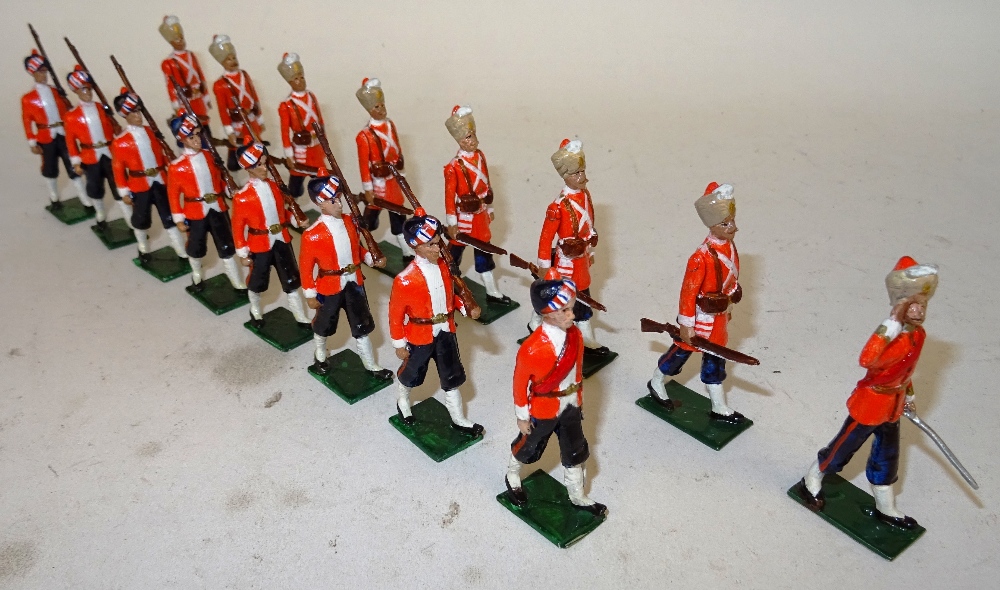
pixel 437 319
pixel 887 390
pixel 59 124
pixel 146 172
pixel 274 228
pixel 94 146
pixel 380 169
pixel 561 393
pixel 350 268
pixel 208 198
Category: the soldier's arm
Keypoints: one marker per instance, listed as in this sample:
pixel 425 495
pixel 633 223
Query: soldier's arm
pixel 549 228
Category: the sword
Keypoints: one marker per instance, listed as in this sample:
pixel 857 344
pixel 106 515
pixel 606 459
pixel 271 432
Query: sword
pixel 919 423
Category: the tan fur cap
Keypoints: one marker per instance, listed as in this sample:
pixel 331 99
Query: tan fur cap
pixel 716 204
pixel 460 123
pixel 909 278
pixel 290 66
pixel 171 29
pixel 569 158
pixel 221 48
pixel 370 93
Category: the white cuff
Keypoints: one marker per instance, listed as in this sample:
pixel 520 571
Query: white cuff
pixel 229 130
pixel 489 210
pixel 289 153
pixel 367 187
pixel 75 160
pixel 452 220
pixel 910 398
pixel 892 328
pixel 542 263
pixel 521 412
pixel 176 105
pixel 178 217
pixel 368 259
pixel 309 293
pixel 243 252
pixel 32 142
pixel 124 192
pixel 401 343
pixel 685 320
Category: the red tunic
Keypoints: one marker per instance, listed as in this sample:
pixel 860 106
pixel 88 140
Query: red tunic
pixel 879 397
pixel 700 279
pixel 249 205
pixel 134 152
pixel 183 66
pixel 410 297
pixel 88 125
pixel 39 127
pixel 475 224
pixel 368 140
pixel 318 251
pixel 297 114
pixel 246 94
pixel 571 215
pixel 188 178
pixel 536 359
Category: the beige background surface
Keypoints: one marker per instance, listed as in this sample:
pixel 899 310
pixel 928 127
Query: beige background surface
pixel 135 451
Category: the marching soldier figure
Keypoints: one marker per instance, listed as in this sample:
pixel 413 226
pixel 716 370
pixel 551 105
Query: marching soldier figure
pixel 42 112
pixel 330 267
pixel 88 139
pixel 711 285
pixel 183 66
pixel 568 235
pixel 245 95
pixel 468 198
pixel 422 322
pixel 196 193
pixel 378 146
pixel 140 166
pixel 297 114
pixel 548 393
pixel 260 230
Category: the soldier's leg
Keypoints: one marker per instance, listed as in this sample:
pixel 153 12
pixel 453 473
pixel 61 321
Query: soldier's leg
pixel 50 169
pixel 222 234
pixel 142 218
pixel 296 185
pixel 485 266
pixel 524 450
pixel 837 454
pixel 288 275
pixel 109 177
pixel 258 280
pixel 95 190
pixel 411 374
pixel 574 452
pixel 162 204
pixel 452 375
pixel 359 316
pixel 456 251
pixel 62 152
pixel 713 373
pixel 324 325
pixel 196 247
pixel 370 217
pixel 670 363
pixel 582 314
pixel 882 472
pixel 396 228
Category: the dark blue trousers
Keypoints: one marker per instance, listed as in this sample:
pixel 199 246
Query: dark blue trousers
pixel 713 368
pixel 883 461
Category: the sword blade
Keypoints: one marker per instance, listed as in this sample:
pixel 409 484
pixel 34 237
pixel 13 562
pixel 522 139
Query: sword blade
pixel 919 423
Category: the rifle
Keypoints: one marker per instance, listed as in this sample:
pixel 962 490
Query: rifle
pixel 382 203
pixel 300 217
pixel 648 325
pixel 97 89
pixel 478 244
pixel 463 290
pixel 169 151
pixel 518 262
pixel 48 66
pixel 219 162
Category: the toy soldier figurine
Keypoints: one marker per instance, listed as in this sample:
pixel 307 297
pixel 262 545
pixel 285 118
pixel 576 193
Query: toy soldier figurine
pixel 182 65
pixel 711 284
pixel 569 227
pixel 88 136
pixel 245 95
pixel 422 322
pixel 548 392
pixel 297 113
pixel 42 112
pixel 140 165
pixel 197 201
pixel 332 253
pixel 378 146
pixel 881 397
pixel 260 230
pixel 468 198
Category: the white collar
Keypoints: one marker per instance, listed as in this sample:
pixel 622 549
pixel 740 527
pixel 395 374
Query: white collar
pixel 300 94
pixel 190 152
pixel 87 103
pixel 466 155
pixel 421 261
pixel 555 334
pixel 181 52
pixel 570 191
pixel 233 73
pixel 40 86
pixel 716 241
pixel 136 128
pixel 377 122
pixel 330 218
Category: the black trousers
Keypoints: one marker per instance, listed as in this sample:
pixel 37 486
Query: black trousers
pixel 52 152
pixel 444 351
pixel 142 207
pixel 97 175
pixel 354 301
pixel 296 184
pixel 396 220
pixel 282 258
pixel 568 428
pixel 216 223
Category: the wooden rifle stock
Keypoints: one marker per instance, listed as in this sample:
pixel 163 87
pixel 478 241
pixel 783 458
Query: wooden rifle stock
pixel 48 66
pixel 366 235
pixel 145 112
pixel 478 244
pixel 518 262
pixel 206 138
pixel 97 89
pixel 648 325
pixel 382 203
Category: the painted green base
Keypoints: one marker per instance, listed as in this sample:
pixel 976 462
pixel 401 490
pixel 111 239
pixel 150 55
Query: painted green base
pixel 851 510
pixel 393 259
pixel 692 416
pixel 491 311
pixel 593 363
pixel 432 432
pixel 116 234
pixel 313 215
pixel 281 331
pixel 349 379
pixel 550 512
pixel 218 295
pixel 72 211
pixel 164 264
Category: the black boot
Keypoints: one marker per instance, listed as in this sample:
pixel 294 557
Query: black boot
pixel 321 368
pixel 258 324
pixel 597 509
pixel 735 418
pixel 517 495
pixel 383 374
pixel 668 404
pixel 474 430
pixel 814 503
pixel 502 300
pixel 600 351
pixel 906 523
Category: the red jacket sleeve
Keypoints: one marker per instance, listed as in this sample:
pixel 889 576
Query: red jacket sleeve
pixel 174 189
pixel 240 206
pixel 222 100
pixel 307 263
pixel 362 141
pixel 523 375
pixel 550 226
pixel 29 128
pixel 167 66
pixel 118 169
pixel 286 127
pixel 70 128
pixel 450 192
pixel 398 309
pixel 319 113
pixel 694 274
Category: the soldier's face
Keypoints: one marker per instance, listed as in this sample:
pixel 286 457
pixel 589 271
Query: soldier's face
pixel 334 207
pixel 134 118
pixel 298 83
pixel 562 318
pixel 179 44
pixel 41 76
pixel 260 170
pixel 431 250
pixel 86 93
pixel 470 142
pixel 916 312
pixel 577 181
pixel 192 142
pixel 725 230
pixel 378 111
pixel 231 63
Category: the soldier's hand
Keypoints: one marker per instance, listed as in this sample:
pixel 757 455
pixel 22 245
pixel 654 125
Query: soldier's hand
pixel 183 226
pixel 127 199
pixel 78 169
pixel 898 312
pixel 492 216
pixel 244 261
pixel 524 426
pixel 263 127
pixel 402 353
pixel 687 334
pixel 591 260
pixel 910 405
pixel 370 197
pixel 379 262
pixel 312 302
pixel 232 140
pixel 36 149
pixel 452 231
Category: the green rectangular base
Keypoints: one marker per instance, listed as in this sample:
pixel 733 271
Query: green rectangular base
pixel 592 363
pixel 164 264
pixel 281 331
pixel 72 211
pixel 850 509
pixel 218 295
pixel 313 215
pixel 393 259
pixel 491 311
pixel 692 416
pixel 349 379
pixel 432 431
pixel 116 234
pixel 550 512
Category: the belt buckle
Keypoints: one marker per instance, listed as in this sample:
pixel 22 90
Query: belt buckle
pixel 151 171
pixel 350 268
pixel 440 318
pixel 275 228
pixel 211 198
